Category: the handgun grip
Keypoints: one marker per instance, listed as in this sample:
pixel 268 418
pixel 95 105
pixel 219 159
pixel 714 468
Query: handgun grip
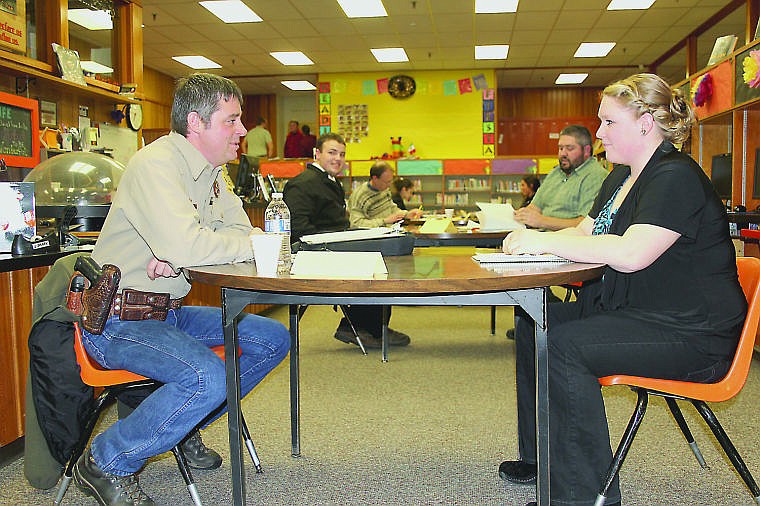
pixel 89 268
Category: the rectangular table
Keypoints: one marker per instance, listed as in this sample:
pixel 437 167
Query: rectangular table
pixel 429 277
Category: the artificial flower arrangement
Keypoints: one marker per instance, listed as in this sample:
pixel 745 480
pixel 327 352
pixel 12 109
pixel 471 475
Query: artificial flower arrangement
pixel 751 66
pixel 702 90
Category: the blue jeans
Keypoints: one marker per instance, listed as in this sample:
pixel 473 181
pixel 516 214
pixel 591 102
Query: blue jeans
pixel 176 353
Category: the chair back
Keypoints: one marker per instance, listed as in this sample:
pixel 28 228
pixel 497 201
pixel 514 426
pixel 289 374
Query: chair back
pixel 749 277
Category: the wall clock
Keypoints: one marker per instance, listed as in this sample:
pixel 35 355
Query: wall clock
pixel 401 86
pixel 134 116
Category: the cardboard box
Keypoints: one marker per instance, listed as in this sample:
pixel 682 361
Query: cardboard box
pixel 17 214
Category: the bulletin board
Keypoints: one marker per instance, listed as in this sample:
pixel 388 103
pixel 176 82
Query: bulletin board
pixel 446 117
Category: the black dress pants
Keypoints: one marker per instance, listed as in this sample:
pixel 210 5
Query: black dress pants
pixel 369 318
pixel 581 350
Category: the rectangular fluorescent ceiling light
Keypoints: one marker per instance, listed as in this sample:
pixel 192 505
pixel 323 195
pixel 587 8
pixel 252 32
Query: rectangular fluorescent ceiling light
pixel 299 85
pixel 363 8
pixel 291 58
pixel 593 49
pixel 629 5
pixel 495 6
pixel 94 67
pixel 197 62
pixel 92 20
pixel 493 52
pixel 231 11
pixel 571 78
pixel 390 54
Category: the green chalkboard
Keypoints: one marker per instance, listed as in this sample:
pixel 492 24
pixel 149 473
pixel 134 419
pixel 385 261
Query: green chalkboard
pixel 15 131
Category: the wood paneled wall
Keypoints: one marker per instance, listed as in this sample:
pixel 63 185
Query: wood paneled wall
pixel 529 119
pixel 533 103
pixel 264 106
pixel 157 104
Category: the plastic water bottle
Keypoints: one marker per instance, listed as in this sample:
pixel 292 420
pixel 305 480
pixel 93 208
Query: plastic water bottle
pixel 277 221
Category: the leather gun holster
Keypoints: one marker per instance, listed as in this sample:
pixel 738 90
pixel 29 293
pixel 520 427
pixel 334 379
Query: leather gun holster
pixel 97 299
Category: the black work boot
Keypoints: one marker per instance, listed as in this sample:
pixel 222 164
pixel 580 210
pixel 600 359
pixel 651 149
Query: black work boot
pixel 198 455
pixel 108 489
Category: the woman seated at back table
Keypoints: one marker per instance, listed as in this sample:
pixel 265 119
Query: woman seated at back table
pixel 668 306
pixel 528 187
pixel 401 192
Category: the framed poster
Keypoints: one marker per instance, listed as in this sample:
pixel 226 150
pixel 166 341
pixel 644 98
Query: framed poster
pixel 48 113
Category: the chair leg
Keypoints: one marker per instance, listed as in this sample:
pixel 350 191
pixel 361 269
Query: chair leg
pixel 676 411
pixel 493 320
pixel 353 329
pixel 625 444
pixel 251 448
pixel 100 402
pixel 186 475
pixel 728 447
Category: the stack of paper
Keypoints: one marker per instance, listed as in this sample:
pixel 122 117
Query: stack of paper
pixel 507 258
pixel 349 235
pixel 497 217
pixel 339 265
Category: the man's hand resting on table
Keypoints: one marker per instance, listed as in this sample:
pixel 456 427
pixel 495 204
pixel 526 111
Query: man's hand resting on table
pixel 530 216
pixel 160 269
pixel 393 218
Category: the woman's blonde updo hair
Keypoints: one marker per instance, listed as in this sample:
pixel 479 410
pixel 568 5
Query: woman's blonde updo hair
pixel 649 93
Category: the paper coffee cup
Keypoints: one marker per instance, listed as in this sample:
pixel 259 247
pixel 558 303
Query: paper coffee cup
pixel 266 251
pixel 449 213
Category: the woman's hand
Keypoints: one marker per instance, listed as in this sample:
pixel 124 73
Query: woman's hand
pixel 520 242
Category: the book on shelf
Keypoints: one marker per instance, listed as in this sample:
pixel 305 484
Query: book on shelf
pixel 723 46
pixel 69 64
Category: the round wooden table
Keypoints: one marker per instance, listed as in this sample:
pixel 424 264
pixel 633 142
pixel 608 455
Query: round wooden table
pixel 430 276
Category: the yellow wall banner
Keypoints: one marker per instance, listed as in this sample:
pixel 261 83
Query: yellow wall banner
pixel 13 25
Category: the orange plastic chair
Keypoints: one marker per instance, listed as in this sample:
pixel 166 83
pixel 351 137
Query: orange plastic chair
pixel 114 382
pixel 572 289
pixel 698 393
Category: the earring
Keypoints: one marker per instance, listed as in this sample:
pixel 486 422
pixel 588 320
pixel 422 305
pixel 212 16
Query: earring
pixel 643 132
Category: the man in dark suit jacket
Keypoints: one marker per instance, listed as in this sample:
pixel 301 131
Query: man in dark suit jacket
pixel 317 203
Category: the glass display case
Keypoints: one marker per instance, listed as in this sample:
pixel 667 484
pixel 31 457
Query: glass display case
pixel 82 179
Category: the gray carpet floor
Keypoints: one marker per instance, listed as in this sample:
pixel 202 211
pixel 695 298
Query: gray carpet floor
pixel 429 427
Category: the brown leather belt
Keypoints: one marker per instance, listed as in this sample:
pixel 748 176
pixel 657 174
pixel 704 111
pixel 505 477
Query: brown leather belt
pixel 134 305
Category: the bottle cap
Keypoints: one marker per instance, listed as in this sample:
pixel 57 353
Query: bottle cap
pixel 277 195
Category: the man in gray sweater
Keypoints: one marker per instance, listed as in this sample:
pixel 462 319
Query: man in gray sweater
pixel 371 204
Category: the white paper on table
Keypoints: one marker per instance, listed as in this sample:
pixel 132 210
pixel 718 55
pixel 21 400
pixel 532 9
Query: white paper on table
pixel 497 217
pixel 339 265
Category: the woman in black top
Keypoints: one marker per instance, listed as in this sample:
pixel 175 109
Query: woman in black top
pixel 401 192
pixel 668 306
pixel 528 187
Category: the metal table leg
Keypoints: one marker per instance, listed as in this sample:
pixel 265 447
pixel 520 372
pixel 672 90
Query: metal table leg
pixel 295 422
pixel 232 306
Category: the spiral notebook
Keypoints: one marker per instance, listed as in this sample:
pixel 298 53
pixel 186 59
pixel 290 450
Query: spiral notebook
pixel 502 258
